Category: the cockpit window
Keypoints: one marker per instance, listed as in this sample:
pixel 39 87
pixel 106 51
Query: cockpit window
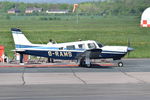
pixel 91 45
pixel 99 44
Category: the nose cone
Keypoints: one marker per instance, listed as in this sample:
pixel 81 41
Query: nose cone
pixel 129 49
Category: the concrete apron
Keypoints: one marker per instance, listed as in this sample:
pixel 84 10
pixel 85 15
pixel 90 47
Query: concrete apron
pixel 74 78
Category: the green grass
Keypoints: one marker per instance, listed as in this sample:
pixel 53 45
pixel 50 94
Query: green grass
pixel 107 30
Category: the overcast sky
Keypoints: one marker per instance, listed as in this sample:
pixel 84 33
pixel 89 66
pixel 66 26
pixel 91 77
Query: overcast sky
pixel 50 1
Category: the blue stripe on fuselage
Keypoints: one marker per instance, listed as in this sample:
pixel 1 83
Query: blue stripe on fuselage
pixel 35 47
pixel 108 55
pixel 41 47
pixel 57 48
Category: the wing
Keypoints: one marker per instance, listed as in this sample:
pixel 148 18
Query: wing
pixel 91 53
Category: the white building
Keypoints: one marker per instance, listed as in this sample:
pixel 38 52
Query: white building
pixel 34 9
pixel 13 11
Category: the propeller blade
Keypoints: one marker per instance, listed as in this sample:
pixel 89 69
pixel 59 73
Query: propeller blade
pixel 129 44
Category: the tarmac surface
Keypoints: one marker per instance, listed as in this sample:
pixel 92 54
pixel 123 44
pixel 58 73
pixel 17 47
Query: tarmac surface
pixel 131 82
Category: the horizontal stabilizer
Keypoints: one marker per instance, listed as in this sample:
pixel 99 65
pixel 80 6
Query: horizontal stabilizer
pixel 15 29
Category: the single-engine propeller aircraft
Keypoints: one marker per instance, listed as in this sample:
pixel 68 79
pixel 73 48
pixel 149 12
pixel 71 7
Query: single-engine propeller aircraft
pixel 82 51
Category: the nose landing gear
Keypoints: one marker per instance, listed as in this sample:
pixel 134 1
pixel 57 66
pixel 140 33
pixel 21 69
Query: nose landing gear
pixel 120 64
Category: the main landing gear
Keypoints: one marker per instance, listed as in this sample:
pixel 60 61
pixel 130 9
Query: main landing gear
pixel 85 63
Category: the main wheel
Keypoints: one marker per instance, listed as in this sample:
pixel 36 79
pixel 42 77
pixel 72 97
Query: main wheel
pixel 89 65
pixel 82 64
pixel 120 64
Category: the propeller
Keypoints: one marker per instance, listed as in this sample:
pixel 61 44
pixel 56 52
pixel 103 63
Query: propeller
pixel 129 47
pixel 129 44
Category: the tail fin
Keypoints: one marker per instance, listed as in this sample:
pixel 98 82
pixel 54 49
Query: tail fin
pixel 19 38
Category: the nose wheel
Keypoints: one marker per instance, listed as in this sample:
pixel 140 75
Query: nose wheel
pixel 120 64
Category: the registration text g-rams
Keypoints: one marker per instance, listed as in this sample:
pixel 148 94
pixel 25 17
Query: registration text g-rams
pixel 60 53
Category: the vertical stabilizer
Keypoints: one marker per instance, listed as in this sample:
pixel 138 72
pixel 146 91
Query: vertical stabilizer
pixel 19 38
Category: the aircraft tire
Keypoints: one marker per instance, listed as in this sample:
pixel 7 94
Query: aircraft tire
pixel 82 64
pixel 120 64
pixel 89 65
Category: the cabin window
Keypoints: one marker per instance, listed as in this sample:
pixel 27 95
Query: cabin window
pixel 91 45
pixel 61 48
pixel 71 47
pixel 81 46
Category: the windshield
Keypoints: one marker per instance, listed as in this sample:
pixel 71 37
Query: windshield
pixel 99 44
